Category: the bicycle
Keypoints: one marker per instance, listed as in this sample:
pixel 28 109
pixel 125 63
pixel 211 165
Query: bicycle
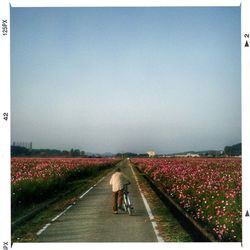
pixel 126 203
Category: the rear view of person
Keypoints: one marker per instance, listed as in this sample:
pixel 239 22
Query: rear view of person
pixel 118 180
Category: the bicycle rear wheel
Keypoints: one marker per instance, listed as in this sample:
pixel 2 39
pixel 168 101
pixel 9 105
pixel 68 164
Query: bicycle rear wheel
pixel 130 210
pixel 129 206
pixel 124 203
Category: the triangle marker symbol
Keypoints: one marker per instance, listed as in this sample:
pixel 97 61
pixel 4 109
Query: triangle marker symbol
pixel 247 213
pixel 246 44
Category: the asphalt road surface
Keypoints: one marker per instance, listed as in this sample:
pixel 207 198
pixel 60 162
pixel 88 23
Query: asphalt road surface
pixel 91 219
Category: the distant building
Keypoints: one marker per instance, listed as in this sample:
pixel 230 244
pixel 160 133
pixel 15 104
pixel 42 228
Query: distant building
pixel 192 155
pixel 27 145
pixel 188 155
pixel 151 153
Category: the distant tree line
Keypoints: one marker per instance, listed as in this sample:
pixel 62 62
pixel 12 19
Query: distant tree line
pixel 130 154
pixel 22 151
pixel 234 150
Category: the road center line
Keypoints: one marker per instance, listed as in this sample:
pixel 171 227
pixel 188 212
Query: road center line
pixel 43 229
pixel 151 217
pixel 54 219
pixel 99 181
pixel 86 192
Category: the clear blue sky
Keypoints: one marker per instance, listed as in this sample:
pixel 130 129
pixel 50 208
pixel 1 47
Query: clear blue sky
pixel 126 79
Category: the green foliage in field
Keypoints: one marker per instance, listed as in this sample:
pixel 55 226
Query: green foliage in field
pixel 26 192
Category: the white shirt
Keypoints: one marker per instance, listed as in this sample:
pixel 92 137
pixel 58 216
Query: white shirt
pixel 117 181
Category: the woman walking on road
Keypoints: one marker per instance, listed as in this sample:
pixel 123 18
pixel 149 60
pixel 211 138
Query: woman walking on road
pixel 118 180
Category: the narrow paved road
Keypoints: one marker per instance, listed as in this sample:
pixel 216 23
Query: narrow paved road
pixel 91 218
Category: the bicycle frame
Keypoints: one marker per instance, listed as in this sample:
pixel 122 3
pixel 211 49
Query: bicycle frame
pixel 126 200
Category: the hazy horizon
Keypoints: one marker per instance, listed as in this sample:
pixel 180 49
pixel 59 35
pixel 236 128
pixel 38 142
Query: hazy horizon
pixel 126 79
pixel 137 152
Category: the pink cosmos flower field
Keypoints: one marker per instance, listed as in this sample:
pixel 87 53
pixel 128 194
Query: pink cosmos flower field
pixel 30 169
pixel 34 180
pixel 209 189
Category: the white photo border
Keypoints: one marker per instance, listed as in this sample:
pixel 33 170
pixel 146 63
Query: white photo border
pixel 5 217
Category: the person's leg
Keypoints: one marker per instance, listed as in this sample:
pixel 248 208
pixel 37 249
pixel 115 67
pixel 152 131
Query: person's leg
pixel 115 196
pixel 120 198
